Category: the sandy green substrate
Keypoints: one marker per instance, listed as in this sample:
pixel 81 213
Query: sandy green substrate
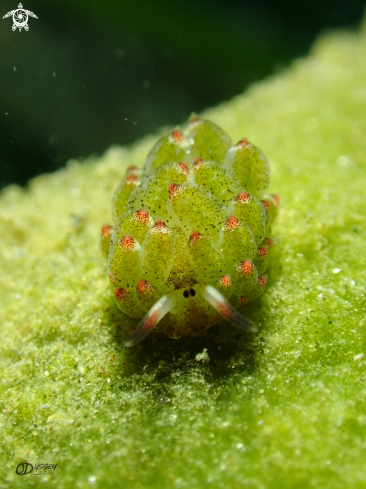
pixel 285 408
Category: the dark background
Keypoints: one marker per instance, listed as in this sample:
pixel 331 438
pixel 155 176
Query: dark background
pixel 90 73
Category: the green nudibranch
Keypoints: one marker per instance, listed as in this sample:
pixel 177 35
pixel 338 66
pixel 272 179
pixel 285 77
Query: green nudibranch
pixel 191 234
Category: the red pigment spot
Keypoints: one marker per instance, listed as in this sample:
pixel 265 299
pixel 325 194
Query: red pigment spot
pixel 269 241
pixel 223 309
pixel 177 136
pixel 266 204
pixel 173 189
pixel 142 216
pixel 262 252
pixel 183 167
pixel 197 162
pixel 151 320
pixel 276 198
pixel 127 243
pixel 106 230
pixel 132 180
pixel 243 142
pixel 232 223
pixel 131 169
pixel 262 281
pixel 111 279
pixel 160 227
pixel 225 281
pixel 246 268
pixel 243 301
pixel 143 286
pixel 243 198
pixel 195 236
pixel 120 294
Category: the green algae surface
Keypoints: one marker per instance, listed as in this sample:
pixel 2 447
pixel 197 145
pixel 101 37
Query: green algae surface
pixel 283 408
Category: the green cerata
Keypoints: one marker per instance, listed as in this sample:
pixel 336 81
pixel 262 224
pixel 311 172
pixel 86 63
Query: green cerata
pixel 192 233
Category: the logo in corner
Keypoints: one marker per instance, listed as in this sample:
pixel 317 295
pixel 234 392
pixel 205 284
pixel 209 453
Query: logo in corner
pixel 20 17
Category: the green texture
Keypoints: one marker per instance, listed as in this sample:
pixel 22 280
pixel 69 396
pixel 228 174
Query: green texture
pixel 283 408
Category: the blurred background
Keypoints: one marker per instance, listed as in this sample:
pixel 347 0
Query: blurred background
pixel 88 74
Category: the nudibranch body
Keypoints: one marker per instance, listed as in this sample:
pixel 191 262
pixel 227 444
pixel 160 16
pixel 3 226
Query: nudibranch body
pixel 191 234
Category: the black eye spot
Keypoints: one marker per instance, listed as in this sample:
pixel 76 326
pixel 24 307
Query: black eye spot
pixel 192 292
pixel 186 294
